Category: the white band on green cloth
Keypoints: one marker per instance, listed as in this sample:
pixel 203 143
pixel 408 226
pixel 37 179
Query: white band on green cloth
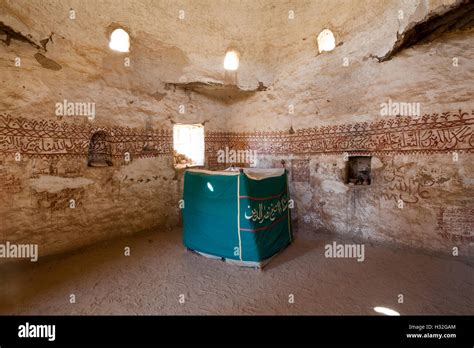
pixel 238 216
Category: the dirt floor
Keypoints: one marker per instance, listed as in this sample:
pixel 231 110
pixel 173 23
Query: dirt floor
pixel 159 270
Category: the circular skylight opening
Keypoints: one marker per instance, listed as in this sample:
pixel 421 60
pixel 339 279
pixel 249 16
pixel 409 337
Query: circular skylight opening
pixel 231 61
pixel 119 41
pixel 326 41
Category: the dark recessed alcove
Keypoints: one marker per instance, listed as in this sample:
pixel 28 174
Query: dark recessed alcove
pixel 100 153
pixel 358 170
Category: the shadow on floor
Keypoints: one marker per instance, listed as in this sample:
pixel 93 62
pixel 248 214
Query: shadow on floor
pixel 298 248
pixel 24 281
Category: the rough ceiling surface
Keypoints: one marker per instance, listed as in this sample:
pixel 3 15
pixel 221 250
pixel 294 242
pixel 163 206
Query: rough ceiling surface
pixel 167 49
pixel 287 101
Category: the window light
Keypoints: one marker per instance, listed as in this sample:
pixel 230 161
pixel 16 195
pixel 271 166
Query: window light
pixel 231 61
pixel 188 144
pixel 119 41
pixel 326 41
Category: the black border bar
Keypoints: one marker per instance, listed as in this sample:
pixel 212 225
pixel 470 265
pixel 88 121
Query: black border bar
pixel 223 330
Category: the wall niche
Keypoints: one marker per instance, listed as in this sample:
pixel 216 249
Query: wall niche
pixel 100 152
pixel 358 170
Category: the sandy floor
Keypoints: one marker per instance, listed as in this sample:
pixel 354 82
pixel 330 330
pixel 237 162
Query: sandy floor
pixel 159 270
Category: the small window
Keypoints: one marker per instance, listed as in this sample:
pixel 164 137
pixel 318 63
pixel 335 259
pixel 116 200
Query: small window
pixel 119 41
pixel 326 41
pixel 188 145
pixel 100 154
pixel 358 170
pixel 231 61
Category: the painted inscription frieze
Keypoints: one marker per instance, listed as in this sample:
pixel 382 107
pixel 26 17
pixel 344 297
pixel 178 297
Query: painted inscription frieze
pixel 434 133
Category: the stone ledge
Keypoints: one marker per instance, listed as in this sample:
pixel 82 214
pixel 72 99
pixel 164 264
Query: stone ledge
pixel 54 184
